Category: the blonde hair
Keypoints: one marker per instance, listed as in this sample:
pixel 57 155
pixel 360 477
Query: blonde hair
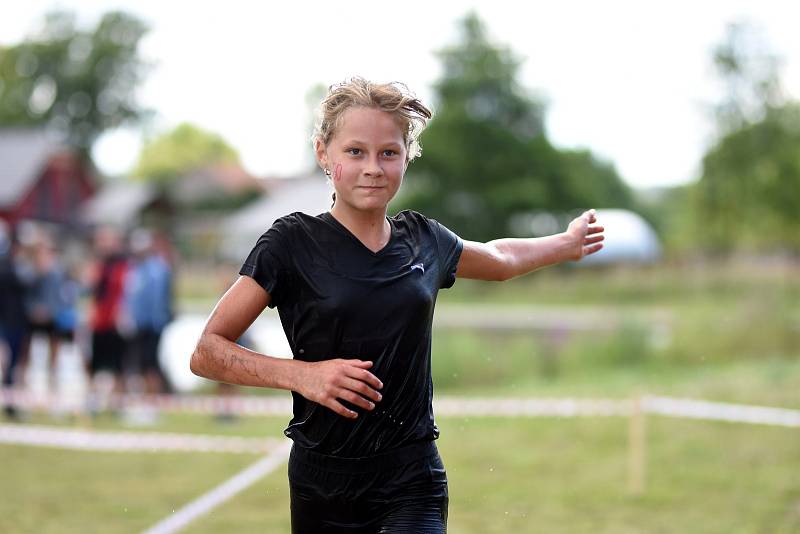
pixel 395 98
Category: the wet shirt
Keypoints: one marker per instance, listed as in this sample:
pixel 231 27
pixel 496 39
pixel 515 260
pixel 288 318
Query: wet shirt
pixel 338 299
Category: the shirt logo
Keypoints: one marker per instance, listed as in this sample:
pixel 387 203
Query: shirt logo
pixel 419 266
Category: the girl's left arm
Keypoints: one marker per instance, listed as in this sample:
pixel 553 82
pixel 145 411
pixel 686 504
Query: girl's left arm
pixel 503 259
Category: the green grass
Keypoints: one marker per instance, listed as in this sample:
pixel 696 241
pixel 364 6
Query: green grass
pixel 733 335
pixel 570 476
pixel 616 365
pixel 544 475
pixel 665 283
pixel 506 475
pixel 60 491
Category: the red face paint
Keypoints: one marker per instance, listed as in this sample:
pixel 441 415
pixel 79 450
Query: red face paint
pixel 337 173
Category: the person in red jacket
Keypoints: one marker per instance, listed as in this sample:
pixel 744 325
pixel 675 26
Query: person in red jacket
pixel 107 319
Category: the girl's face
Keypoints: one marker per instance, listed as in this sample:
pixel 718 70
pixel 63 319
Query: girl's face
pixel 366 157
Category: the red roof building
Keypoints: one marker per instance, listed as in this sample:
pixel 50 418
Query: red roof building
pixel 41 179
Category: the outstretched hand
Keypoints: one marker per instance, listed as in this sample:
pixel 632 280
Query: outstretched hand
pixel 587 236
pixel 329 381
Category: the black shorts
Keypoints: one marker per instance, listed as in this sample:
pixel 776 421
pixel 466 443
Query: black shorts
pixel 108 347
pixel 50 329
pixel 402 491
pixel 41 327
pixel 64 334
pixel 145 352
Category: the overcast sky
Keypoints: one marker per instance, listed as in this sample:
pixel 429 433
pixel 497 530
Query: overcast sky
pixel 631 81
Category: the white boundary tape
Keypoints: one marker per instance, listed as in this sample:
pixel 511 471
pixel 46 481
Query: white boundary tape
pixel 458 406
pixel 207 502
pixel 668 406
pixel 720 411
pixel 204 404
pixel 90 440
pixel 527 407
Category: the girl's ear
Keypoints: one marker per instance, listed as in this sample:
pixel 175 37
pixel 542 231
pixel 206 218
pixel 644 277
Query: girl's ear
pixel 321 154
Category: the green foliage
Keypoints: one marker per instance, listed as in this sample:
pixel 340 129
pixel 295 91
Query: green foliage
pixel 77 82
pixel 748 197
pixel 486 154
pixel 748 70
pixel 226 203
pixel 670 211
pixel 180 150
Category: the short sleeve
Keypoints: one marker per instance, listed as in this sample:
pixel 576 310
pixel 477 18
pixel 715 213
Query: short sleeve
pixel 269 263
pixel 450 247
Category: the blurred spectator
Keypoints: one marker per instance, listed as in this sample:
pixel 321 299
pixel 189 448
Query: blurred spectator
pixel 148 299
pixel 13 324
pixel 50 302
pixel 67 317
pixel 106 279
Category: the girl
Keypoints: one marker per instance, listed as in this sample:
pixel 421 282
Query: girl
pixel 355 291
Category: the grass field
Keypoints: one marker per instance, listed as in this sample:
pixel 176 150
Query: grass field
pixel 506 475
pixel 732 335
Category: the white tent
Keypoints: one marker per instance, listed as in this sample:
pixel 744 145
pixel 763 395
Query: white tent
pixel 628 239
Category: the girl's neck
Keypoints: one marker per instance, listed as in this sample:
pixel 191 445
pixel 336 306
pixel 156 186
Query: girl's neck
pixel 370 227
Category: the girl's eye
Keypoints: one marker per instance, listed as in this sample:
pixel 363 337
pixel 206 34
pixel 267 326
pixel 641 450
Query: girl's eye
pixel 389 153
pixel 354 151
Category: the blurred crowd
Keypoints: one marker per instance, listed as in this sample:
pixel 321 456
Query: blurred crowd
pixel 109 300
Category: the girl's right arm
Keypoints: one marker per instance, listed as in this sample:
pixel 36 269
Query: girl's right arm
pixel 218 357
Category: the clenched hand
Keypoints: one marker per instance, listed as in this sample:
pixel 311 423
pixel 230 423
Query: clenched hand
pixel 327 382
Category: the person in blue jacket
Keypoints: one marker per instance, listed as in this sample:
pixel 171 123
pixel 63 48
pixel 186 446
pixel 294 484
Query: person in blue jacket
pixel 148 300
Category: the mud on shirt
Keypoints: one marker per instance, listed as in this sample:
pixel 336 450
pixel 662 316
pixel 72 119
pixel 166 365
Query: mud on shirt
pixel 338 299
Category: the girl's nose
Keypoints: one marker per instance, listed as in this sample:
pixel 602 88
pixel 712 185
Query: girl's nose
pixel 373 167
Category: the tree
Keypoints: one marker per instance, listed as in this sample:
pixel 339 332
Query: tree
pixel 79 83
pixel 748 71
pixel 486 156
pixel 182 149
pixel 748 195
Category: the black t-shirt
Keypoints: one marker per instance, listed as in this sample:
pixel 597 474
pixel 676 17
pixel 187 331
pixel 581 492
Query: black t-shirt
pixel 338 299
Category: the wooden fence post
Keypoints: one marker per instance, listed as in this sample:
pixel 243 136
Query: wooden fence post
pixel 637 442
